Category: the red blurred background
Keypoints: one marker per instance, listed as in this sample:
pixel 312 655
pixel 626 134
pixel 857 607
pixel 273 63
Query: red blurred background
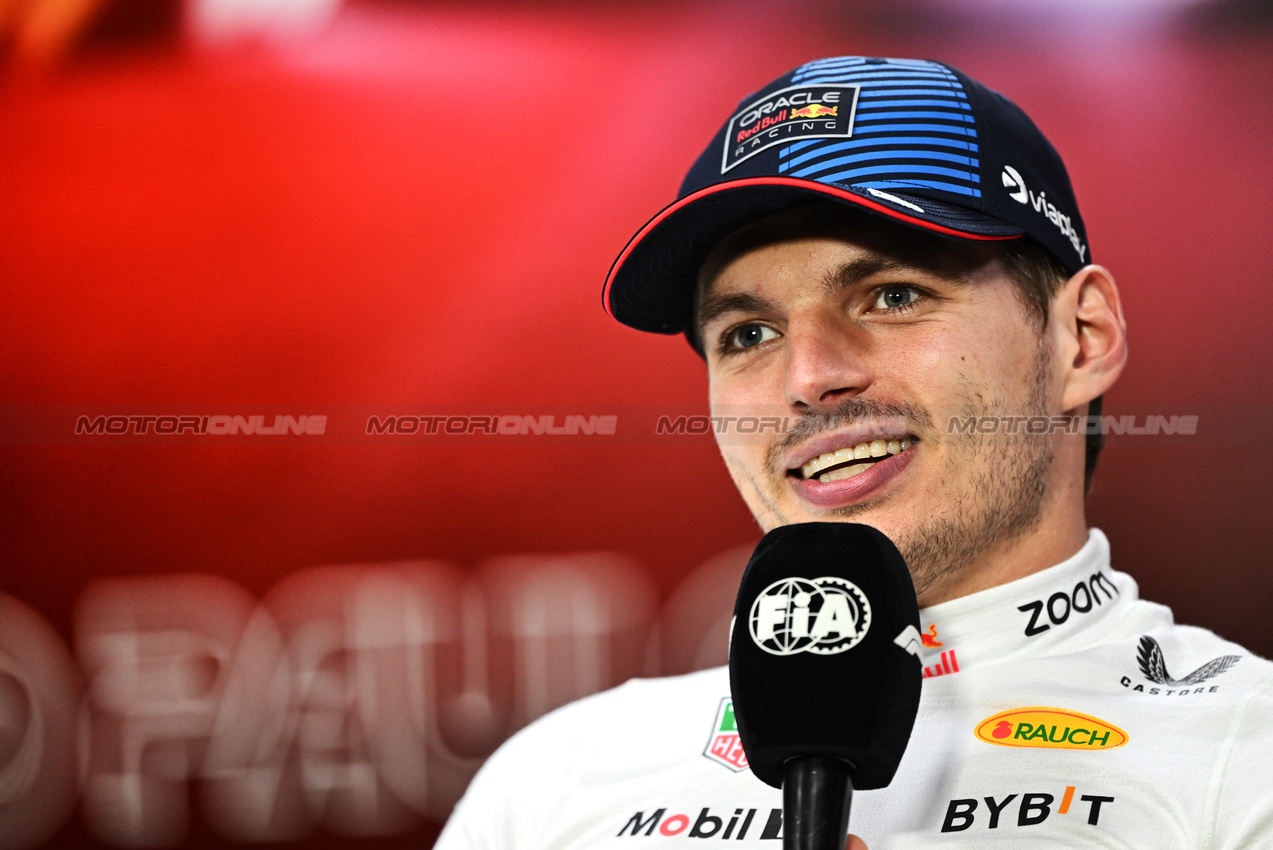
pixel 416 204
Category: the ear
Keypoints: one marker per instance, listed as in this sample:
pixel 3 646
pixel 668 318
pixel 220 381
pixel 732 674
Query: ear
pixel 1091 335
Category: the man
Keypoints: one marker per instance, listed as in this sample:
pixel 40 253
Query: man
pixel 889 257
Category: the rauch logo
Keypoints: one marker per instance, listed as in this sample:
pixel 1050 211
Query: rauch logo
pixel 1049 728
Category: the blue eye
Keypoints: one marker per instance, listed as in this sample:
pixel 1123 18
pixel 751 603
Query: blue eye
pixel 749 336
pixel 895 297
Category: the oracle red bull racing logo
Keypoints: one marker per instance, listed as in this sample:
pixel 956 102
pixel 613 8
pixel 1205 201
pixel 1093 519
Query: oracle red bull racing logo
pixel 788 115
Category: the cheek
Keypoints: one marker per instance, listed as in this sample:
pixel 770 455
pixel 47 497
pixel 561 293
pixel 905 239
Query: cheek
pixel 746 466
pixel 937 364
pixel 742 458
pixel 734 395
pixel 755 388
pixel 745 470
pixel 736 465
pixel 932 367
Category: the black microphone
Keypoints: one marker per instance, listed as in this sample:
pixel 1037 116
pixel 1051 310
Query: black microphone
pixel 825 671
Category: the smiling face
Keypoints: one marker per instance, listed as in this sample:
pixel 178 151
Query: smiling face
pixel 869 338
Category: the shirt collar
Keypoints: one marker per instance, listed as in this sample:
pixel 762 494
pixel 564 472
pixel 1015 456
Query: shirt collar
pixel 1066 608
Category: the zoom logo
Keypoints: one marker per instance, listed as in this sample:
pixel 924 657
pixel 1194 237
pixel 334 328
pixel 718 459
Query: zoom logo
pixel 1058 607
pixel 825 616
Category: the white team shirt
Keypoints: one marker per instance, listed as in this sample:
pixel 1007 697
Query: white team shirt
pixel 1140 734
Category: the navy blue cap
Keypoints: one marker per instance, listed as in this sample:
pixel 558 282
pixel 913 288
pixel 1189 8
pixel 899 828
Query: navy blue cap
pixel 912 140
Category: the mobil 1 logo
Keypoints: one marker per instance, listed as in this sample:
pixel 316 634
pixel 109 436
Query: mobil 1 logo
pixel 1060 606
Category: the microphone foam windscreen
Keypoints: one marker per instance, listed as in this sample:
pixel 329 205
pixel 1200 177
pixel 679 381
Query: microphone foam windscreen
pixel 824 654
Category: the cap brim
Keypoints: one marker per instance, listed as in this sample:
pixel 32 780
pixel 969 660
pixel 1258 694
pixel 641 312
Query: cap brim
pixel 650 285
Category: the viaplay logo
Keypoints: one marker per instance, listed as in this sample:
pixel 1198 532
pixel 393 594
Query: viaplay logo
pixel 825 616
pixel 724 746
pixel 1014 183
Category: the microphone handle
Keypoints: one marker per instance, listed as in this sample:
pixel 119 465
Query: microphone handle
pixel 816 795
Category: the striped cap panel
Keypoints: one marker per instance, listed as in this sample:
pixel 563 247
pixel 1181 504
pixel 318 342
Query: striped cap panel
pixel 913 129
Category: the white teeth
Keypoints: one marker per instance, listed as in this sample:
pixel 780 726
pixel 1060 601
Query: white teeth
pixel 866 450
pixel 843 472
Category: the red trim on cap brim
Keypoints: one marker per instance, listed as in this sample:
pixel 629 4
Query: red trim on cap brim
pixel 795 183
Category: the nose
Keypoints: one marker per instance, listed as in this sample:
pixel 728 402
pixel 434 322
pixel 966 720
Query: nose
pixel 827 359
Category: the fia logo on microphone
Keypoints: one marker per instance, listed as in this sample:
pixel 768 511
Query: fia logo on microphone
pixel 825 616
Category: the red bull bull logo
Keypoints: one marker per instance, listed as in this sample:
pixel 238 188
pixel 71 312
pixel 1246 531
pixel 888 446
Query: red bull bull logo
pixel 815 110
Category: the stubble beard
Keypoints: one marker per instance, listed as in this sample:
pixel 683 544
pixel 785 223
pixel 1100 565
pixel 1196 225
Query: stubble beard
pixel 1001 501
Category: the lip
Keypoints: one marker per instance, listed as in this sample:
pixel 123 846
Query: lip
pixel 847 491
pixel 890 429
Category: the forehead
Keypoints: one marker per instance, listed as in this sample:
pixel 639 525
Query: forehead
pixel 869 237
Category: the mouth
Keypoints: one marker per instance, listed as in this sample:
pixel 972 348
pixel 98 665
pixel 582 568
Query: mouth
pixel 851 461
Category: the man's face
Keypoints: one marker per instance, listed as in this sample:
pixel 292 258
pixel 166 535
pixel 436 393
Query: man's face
pixel 870 338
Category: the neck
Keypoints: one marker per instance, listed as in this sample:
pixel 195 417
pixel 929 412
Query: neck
pixel 1061 530
pixel 1010 561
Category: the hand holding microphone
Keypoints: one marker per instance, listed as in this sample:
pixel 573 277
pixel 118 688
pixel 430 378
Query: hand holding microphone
pixel 825 671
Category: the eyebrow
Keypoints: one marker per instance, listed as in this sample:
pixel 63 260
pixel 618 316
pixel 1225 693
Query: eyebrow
pixel 855 271
pixel 844 276
pixel 944 263
pixel 717 305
